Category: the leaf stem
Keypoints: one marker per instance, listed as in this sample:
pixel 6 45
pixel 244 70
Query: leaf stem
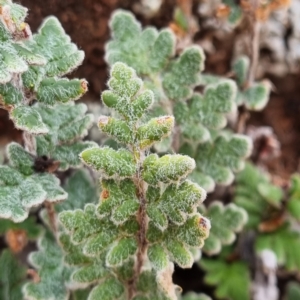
pixel 254 41
pixel 52 216
pixel 141 237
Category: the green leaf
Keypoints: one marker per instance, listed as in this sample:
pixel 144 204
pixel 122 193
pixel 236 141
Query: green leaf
pixel 10 95
pixel 158 257
pixel 284 242
pixel 20 159
pixel 53 90
pixel 28 119
pixel 81 224
pixel 180 254
pixel 66 125
pixel 81 191
pixel 121 251
pixel 255 193
pixel 232 280
pixel 123 95
pixel 15 201
pixel 293 205
pixel 10 62
pixel 192 62
pixel 193 232
pixel 226 221
pixel 52 42
pixel 116 128
pixel 54 275
pixel 147 51
pixel 155 130
pixel 240 68
pixel 194 296
pixel 109 161
pixel 220 158
pixel 236 12
pixel 204 112
pixel 10 176
pixel 110 289
pixel 179 201
pixel 168 168
pixel 293 291
pixel 29 56
pixel 271 193
pixel 158 218
pixel 124 211
pixel 51 185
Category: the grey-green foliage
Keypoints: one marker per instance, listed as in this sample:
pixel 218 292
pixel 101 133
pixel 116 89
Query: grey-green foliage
pixel 66 126
pixel 226 220
pixel 14 55
pixel 54 276
pixel 53 126
pixel 12 276
pixel 41 60
pixel 81 190
pixel 254 95
pixel 217 160
pixel 22 188
pixel 146 204
pixel 199 117
pixel 57 283
pixel 62 57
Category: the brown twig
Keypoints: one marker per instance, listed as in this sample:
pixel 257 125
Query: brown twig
pixel 254 41
pixel 52 216
pixel 141 237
